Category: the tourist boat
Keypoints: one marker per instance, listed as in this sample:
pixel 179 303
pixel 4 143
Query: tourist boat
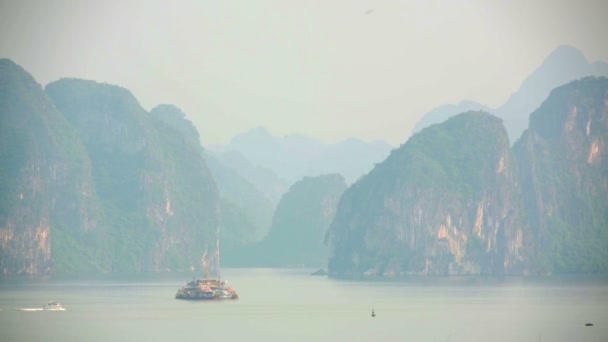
pixel 208 288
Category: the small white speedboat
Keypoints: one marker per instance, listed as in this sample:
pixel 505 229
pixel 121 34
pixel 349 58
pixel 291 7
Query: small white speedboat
pixel 53 306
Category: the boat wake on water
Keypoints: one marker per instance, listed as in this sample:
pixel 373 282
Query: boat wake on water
pixel 30 309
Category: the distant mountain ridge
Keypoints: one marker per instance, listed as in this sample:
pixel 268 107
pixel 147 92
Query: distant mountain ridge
pixel 269 161
pixel 262 178
pixel 442 113
pixel 562 65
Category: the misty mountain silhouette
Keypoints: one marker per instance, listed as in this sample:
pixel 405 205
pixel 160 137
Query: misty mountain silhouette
pixel 562 65
pixel 295 156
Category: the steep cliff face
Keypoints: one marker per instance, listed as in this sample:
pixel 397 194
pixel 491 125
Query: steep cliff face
pixel 446 202
pixel 300 222
pixel 184 199
pixel 46 195
pixel 564 168
pixel 160 205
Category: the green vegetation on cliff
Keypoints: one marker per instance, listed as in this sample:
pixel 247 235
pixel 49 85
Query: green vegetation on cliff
pixel 159 203
pixel 423 209
pixel 244 211
pixel 564 166
pixel 46 192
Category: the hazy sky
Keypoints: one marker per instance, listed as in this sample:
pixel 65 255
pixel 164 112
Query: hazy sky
pixel 329 69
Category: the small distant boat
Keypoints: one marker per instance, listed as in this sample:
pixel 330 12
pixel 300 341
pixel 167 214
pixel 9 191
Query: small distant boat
pixel 53 306
pixel 319 272
pixel 588 324
pixel 373 313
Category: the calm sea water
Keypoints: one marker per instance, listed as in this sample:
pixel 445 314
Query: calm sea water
pixel 291 305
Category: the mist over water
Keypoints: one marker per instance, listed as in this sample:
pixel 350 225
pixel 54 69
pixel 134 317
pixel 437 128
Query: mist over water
pixel 285 304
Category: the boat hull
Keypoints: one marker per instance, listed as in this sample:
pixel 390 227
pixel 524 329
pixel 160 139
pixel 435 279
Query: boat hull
pixel 206 290
pixel 194 297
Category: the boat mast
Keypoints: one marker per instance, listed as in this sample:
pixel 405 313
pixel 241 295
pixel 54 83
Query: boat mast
pixel 217 240
pixel 205 265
